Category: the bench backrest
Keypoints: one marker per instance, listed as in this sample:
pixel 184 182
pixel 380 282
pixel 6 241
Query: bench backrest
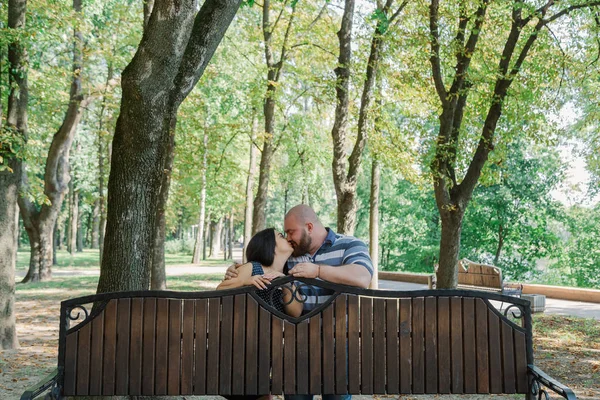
pixel 480 275
pixel 232 342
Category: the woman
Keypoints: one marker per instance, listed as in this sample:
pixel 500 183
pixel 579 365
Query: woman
pixel 267 253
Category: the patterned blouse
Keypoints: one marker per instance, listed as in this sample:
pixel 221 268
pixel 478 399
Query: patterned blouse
pixel 266 294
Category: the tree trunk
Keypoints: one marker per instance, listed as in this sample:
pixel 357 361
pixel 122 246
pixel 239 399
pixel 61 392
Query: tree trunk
pixel 345 223
pixel 9 191
pixel 200 234
pixel 274 70
pixel 55 239
pixel 40 223
pixel 10 174
pixel 73 218
pixel 158 280
pixel 447 273
pixel 154 85
pixel 79 236
pixel 95 224
pixel 250 187
pixel 231 236
pixel 500 244
pixel 374 222
pixel 215 241
pixel 207 236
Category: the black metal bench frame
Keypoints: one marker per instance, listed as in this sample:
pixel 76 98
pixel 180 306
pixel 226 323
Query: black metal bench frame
pixel 371 325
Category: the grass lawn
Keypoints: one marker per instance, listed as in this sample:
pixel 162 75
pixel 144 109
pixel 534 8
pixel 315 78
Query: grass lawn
pixel 89 258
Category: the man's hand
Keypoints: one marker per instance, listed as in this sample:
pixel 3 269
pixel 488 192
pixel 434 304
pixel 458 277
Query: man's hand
pixel 305 270
pixel 231 271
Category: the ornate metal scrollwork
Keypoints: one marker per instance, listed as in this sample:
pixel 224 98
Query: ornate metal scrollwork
pixel 540 382
pixel 76 317
pixel 514 314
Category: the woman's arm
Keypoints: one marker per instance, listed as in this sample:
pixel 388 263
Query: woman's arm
pixel 244 278
pixel 294 308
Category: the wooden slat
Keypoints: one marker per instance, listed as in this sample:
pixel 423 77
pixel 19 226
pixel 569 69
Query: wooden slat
pixel 264 350
pixel 122 360
pixel 302 358
pixel 470 360
pixel 508 359
pixel 341 356
pixel 174 352
pixel 148 346
pixel 201 329
pixel 495 349
pixel 251 346
pixel 431 345
pixel 226 346
pixel 366 348
pixel 71 364
pixel 239 344
pixel 277 355
pixel 187 348
pixel 135 346
pixel 391 351
pixel 96 355
pixel 328 351
pixel 83 359
pixel 456 340
pixel 315 353
pixel 110 348
pixel 444 347
pixel 289 358
pixel 481 324
pixel 520 361
pixel 379 346
pixel 418 345
pixel 353 345
pixel 214 339
pixel 162 346
pixel 405 333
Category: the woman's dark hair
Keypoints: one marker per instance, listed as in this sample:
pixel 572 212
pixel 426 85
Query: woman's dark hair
pixel 261 248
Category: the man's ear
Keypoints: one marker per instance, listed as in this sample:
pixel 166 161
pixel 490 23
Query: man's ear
pixel 309 226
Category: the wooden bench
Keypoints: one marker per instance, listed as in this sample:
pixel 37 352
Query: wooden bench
pixel 357 341
pixel 477 276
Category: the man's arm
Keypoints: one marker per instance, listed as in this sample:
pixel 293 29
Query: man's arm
pixel 350 274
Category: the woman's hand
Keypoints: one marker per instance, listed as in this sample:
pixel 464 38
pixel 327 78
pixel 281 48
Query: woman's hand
pixel 259 281
pixel 272 275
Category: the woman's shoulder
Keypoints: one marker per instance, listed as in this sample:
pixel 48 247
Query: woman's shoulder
pixel 257 268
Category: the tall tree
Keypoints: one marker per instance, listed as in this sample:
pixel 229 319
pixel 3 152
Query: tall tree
pixel 346 169
pixel 10 171
pixel 154 85
pixel 274 71
pixel 250 186
pixel 526 26
pixel 39 222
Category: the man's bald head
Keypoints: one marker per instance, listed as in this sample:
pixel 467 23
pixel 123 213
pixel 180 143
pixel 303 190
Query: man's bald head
pixel 304 230
pixel 303 214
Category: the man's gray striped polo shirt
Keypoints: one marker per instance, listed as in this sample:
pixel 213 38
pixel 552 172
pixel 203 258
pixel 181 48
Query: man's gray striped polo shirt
pixel 335 251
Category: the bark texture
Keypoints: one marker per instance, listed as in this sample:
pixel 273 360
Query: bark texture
pixel 10 176
pixel 154 85
pixel 158 280
pixel 39 222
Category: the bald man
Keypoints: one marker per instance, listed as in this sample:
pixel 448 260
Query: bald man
pixel 321 253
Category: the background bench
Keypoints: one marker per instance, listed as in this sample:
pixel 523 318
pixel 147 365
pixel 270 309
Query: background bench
pixel 357 341
pixel 477 276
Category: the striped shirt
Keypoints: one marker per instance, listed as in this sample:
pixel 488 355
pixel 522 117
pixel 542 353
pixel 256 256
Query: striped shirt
pixel 336 250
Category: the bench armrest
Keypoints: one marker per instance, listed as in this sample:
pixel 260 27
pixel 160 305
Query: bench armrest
pixel 540 378
pixel 33 391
